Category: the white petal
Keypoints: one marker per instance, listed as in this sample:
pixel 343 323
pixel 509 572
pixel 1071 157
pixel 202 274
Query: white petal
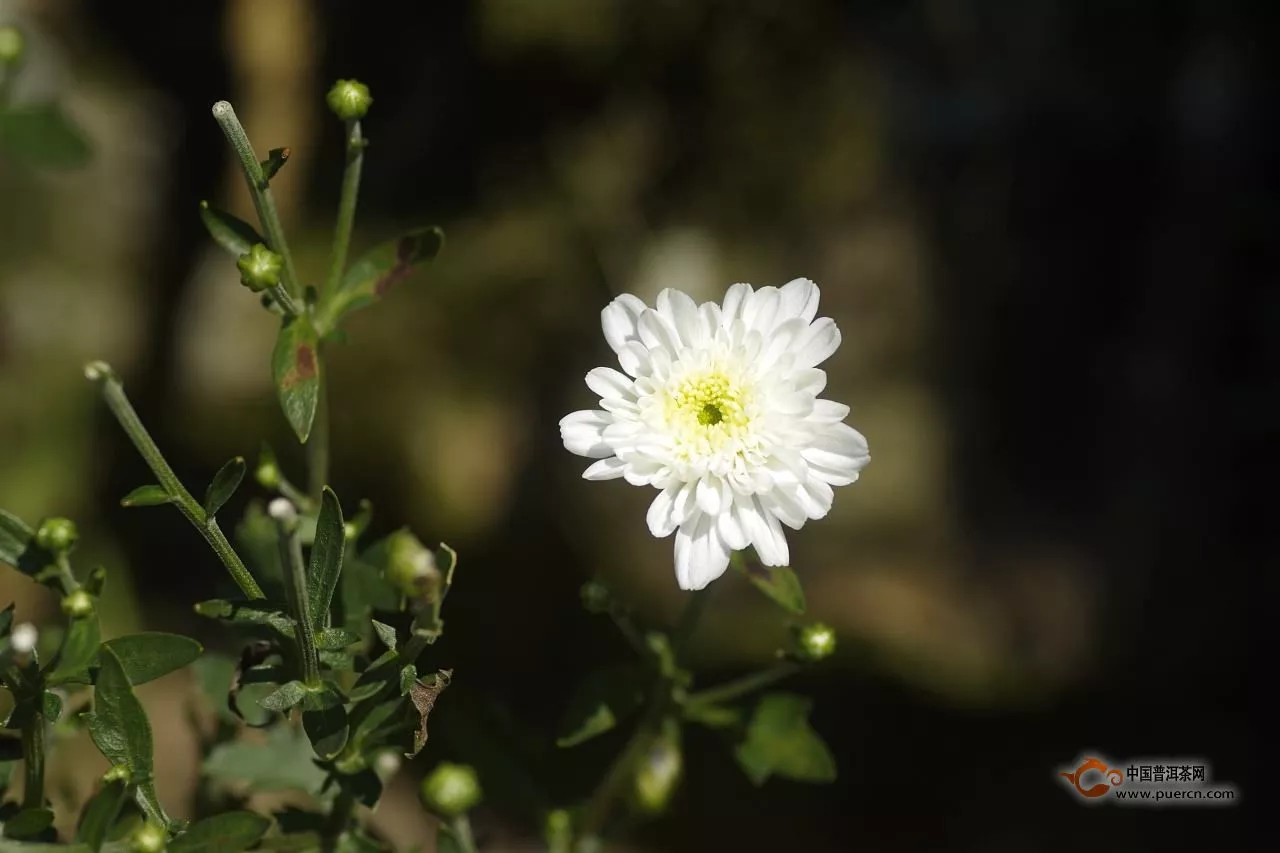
pixel 838 454
pixel 657 334
pixel 606 469
pixel 642 472
pixel 764 532
pixel 731 307
pixel 788 511
pixel 618 319
pixel 795 403
pixel 800 299
pixel 818 343
pixel 828 412
pixel 661 522
pixel 682 312
pixel 610 384
pixel 583 433
pixel 634 359
pixel 684 504
pixel 730 529
pixel 711 494
pixel 760 312
pixel 701 556
pixel 815 498
pixel 810 379
pixel 781 340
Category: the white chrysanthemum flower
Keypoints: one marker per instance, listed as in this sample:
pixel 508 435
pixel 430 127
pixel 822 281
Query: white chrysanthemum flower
pixel 718 409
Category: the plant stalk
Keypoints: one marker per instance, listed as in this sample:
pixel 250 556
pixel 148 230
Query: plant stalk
pixel 731 690
pixel 346 210
pixel 296 594
pixel 318 446
pixel 33 761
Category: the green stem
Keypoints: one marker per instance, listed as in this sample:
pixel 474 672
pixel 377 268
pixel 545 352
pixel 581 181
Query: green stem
pixel 33 761
pixel 263 201
pixel 614 786
pixel 66 578
pixel 346 209
pixel 318 446
pixel 339 818
pixel 461 826
pixel 113 393
pixel 295 588
pixel 731 690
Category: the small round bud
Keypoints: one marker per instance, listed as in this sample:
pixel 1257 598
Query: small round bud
pixel 95 371
pixel 282 510
pixel 558 829
pixel 117 773
pixel 596 597
pixel 411 567
pixel 260 268
pixel 78 605
pixel 149 838
pixel 815 642
pixel 659 774
pixel 451 789
pixel 267 474
pixel 57 535
pixel 387 764
pixel 11 45
pixel 24 638
pixel 350 531
pixel 349 99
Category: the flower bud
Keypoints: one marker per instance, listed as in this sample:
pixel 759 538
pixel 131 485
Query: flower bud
pixel 557 829
pixel 349 99
pixel 596 597
pixel 268 475
pixel 57 535
pixel 11 45
pixel 24 638
pixel 117 773
pixel 78 605
pixel 451 789
pixel 815 642
pixel 387 764
pixel 149 838
pixel 659 773
pixel 260 268
pixel 283 511
pixel 411 567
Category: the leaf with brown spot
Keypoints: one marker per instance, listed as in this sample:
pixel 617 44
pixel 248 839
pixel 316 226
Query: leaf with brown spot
pixel 295 364
pixel 380 269
pixel 424 698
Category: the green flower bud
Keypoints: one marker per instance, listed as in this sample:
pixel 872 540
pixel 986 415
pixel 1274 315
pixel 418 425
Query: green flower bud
pixel 659 773
pixel 260 268
pixel 349 99
pixel 57 535
pixel 596 597
pixel 78 605
pixel 815 642
pixel 118 773
pixel 411 567
pixel 451 789
pixel 11 45
pixel 557 830
pixel 149 838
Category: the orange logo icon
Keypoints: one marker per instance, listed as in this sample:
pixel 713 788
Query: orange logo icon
pixel 1112 776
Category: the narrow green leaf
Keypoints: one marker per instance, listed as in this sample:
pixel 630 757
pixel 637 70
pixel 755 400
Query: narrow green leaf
pixel 121 731
pixel 295 364
pixel 777 582
pixel 78 650
pixel 333 639
pixel 326 559
pixel 248 612
pixel 229 832
pixel 152 654
pixel 96 582
pixel 377 271
pixel 42 135
pixel 385 633
pixel 408 678
pixel 276 158
pixel 152 495
pixel 283 762
pixel 233 234
pixel 28 823
pixel 285 696
pixel 780 741
pixel 325 721
pixel 51 704
pixel 602 699
pixel 19 549
pixel 224 485
pixel 100 813
pixel 294 842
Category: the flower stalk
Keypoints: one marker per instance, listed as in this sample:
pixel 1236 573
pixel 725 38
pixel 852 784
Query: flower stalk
pixel 740 687
pixel 113 393
pixel 295 588
pixel 33 746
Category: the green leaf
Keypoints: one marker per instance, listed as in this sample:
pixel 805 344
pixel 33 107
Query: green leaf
pixel 248 612
pixel 18 548
pixel 326 559
pixel 152 654
pixel 325 721
pixel 233 234
pixel 51 704
pixel 96 581
pixel 295 364
pixel 285 696
pixel 152 495
pixel 229 832
pixel 602 699
pixel 276 158
pixel 78 650
pixel 385 633
pixel 447 840
pixel 364 786
pixel 224 485
pixel 408 678
pixel 100 813
pixel 780 741
pixel 294 842
pixel 386 265
pixel 333 639
pixel 777 582
pixel 28 823
pixel 120 729
pixel 283 762
pixel 42 135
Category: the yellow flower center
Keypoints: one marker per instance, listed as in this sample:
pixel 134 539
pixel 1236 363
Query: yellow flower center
pixel 706 411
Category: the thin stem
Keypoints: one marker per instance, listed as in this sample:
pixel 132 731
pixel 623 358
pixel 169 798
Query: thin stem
pixel 339 818
pixel 263 202
pixel 296 595
pixel 731 690
pixel 113 393
pixel 461 826
pixel 318 446
pixel 33 761
pixel 346 209
pixel 66 578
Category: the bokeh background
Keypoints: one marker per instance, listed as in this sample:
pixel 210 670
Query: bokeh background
pixel 1044 227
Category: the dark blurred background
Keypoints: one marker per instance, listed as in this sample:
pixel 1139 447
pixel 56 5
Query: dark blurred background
pixel 1043 227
